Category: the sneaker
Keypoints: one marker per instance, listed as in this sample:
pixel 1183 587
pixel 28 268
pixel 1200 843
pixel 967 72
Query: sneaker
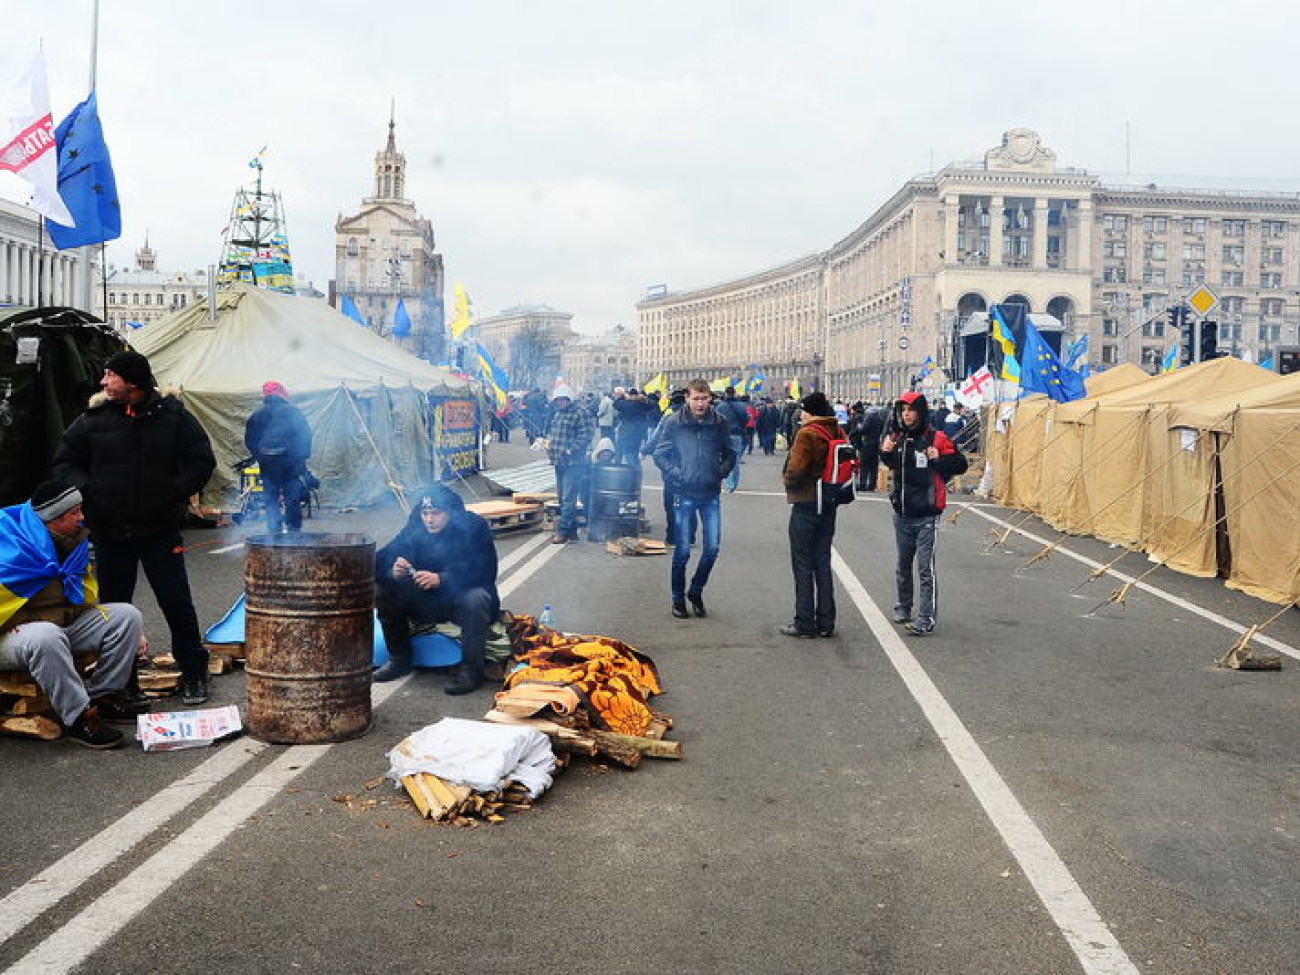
pixel 194 690
pixel 902 617
pixel 920 627
pixel 826 632
pixel 89 732
pixel 697 603
pixel 679 609
pixel 791 630
pixel 559 538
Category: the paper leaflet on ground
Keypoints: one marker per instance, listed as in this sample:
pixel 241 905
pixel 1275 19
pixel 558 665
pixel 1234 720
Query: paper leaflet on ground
pixel 169 731
pixel 480 755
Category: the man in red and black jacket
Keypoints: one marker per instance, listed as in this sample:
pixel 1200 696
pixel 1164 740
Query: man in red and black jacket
pixel 922 460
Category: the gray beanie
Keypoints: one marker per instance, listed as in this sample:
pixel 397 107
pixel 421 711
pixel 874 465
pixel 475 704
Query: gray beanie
pixel 54 498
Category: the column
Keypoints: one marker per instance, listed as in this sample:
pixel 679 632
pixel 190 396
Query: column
pixel 1039 247
pixel 996 217
pixel 4 270
pixel 951 206
pixel 1079 249
pixel 24 275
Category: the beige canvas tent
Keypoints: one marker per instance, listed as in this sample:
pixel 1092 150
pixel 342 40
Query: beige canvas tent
pixel 372 407
pixel 1246 463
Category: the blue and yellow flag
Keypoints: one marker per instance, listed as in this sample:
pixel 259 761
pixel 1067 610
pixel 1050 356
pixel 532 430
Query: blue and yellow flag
pixel 927 366
pixel 1170 362
pixel 494 377
pixel 795 392
pixel 1002 347
pixel 28 562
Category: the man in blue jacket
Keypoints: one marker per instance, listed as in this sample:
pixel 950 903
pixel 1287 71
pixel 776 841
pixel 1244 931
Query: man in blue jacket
pixel 694 454
pixel 441 567
pixel 278 436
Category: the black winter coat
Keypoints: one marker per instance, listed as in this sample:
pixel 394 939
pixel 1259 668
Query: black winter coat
pixel 695 455
pixel 278 434
pixel 463 554
pixel 135 472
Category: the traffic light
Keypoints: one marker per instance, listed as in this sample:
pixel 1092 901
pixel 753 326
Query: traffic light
pixel 1187 331
pixel 1209 340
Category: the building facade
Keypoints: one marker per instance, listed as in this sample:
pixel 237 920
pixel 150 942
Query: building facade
pixel 142 294
pixel 598 363
pixel 1104 258
pixel 33 275
pixel 528 342
pixel 385 253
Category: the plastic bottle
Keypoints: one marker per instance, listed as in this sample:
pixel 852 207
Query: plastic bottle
pixel 547 618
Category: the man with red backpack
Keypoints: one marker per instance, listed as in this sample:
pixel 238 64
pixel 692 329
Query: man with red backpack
pixel 819 474
pixel 922 460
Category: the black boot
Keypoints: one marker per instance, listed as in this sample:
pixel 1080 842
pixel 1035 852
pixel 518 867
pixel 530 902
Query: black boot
pixel 466 679
pixel 399 665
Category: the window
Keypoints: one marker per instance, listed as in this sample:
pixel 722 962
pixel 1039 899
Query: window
pixel 112 297
pixel 1193 252
pixel 1115 248
pixel 1108 355
pixel 148 299
pixel 1273 307
pixel 1155 225
pixel 1193 225
pixel 1193 276
pixel 1151 357
pixel 1155 328
pixel 1153 275
pixel 1270 255
pixel 1109 326
pixel 1270 333
pixel 1234 253
pixel 352 247
pixel 1156 252
pixel 1234 279
pixel 1270 279
pixel 1234 305
pixel 1114 275
pixel 1273 228
pixel 1234 228
pixel 135 298
pixel 1114 223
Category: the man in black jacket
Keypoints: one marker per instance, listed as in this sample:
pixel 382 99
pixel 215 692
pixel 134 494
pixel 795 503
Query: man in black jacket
pixel 278 436
pixel 694 454
pixel 136 457
pixel 442 566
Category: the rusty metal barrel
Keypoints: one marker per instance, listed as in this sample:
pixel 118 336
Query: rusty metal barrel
pixel 309 636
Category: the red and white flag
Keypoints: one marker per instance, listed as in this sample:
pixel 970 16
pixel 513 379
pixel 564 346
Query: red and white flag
pixel 976 388
pixel 27 146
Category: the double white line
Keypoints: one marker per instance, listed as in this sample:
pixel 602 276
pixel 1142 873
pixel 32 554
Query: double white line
pixel 73 943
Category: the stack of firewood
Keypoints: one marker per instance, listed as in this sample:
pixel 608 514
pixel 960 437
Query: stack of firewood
pixel 460 805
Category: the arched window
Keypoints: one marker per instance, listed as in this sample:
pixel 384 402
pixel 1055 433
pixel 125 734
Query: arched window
pixel 352 247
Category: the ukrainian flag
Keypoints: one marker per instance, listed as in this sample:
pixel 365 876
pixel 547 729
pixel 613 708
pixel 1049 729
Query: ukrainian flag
pixel 1005 341
pixel 28 562
pixel 494 376
pixel 1171 359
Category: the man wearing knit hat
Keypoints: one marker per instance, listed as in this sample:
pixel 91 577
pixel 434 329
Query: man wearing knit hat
pixel 49 614
pixel 812 520
pixel 136 456
pixel 278 436
pixel 568 441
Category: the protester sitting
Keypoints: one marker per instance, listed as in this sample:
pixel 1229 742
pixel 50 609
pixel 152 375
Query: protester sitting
pixel 441 567
pixel 49 615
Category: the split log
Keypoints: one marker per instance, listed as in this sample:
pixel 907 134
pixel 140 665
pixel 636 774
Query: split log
pixel 626 749
pixel 33 726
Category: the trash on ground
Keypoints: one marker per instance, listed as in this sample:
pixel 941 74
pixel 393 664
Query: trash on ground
pixel 169 731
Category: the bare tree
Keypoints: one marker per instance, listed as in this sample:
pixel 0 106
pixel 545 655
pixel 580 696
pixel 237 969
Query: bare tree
pixel 534 354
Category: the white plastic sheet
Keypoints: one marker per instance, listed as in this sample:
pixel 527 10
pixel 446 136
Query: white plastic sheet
pixel 480 755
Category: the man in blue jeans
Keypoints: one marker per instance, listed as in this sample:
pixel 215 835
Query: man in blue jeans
pixel 569 440
pixel 733 411
pixel 694 454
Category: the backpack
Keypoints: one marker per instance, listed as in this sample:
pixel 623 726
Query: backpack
pixel 839 478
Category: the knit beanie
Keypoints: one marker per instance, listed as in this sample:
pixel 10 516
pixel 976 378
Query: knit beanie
pixel 817 404
pixel 54 498
pixel 272 388
pixel 133 367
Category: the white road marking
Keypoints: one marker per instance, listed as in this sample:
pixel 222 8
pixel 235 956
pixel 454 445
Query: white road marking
pixel 519 554
pixel 1168 597
pixel 26 903
pixel 1086 933
pixel 73 943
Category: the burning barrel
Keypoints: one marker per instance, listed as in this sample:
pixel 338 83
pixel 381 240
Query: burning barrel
pixel 309 636
pixel 615 502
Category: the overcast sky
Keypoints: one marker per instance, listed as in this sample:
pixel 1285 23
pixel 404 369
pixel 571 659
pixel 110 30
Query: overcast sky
pixel 572 153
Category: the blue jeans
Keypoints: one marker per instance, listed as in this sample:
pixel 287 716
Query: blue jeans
pixel 811 538
pixel 915 538
pixel 568 485
pixel 732 480
pixel 685 511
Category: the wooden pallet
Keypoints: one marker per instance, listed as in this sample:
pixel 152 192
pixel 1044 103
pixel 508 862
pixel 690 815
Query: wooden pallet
pixel 508 516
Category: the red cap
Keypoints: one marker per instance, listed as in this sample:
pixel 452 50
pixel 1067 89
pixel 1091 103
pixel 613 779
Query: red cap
pixel 272 388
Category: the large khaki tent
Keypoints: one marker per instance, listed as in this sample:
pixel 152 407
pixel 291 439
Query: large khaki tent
pixel 373 408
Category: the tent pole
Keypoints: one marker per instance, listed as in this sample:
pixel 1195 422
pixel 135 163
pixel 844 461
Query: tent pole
pixel 392 481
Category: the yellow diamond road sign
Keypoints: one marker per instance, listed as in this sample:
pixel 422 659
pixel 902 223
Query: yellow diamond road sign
pixel 1203 300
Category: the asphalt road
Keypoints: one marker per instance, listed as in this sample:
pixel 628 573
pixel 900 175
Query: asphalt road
pixel 1032 789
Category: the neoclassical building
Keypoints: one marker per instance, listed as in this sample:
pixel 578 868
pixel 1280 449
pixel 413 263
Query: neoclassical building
pixel 598 363
pixel 385 253
pixel 142 294
pixel 528 342
pixel 1102 257
pixel 26 266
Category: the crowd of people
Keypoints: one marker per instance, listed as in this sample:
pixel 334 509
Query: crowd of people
pixel 126 468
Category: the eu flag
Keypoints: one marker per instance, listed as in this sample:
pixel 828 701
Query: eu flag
pixel 86 181
pixel 1042 372
pixel 401 320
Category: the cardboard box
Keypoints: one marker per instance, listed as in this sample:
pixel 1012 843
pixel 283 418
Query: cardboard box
pixel 169 731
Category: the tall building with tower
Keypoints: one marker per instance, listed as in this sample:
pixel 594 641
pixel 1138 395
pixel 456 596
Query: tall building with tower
pixel 385 256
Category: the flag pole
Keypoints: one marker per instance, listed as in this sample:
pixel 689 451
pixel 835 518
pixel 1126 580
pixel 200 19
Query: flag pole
pixel 87 296
pixel 40 261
